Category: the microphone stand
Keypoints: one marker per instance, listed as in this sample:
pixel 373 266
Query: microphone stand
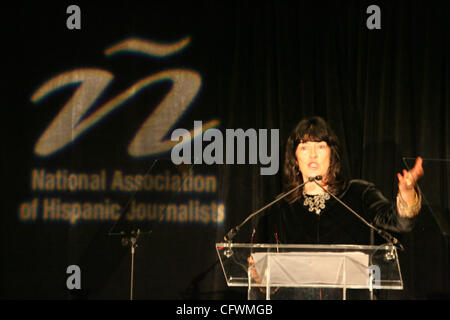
pixel 131 238
pixel 232 233
pixel 132 242
pixel 385 235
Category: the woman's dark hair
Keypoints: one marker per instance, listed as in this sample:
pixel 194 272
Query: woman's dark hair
pixel 313 129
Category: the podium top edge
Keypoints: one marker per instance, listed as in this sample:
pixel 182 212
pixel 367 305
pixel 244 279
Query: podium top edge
pixel 220 245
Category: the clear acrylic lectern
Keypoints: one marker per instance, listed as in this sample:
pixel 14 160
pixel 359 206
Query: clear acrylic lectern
pixel 288 271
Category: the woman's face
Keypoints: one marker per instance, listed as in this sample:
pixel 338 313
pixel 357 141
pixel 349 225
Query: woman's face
pixel 313 159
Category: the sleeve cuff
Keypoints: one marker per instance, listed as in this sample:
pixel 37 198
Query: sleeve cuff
pixel 406 210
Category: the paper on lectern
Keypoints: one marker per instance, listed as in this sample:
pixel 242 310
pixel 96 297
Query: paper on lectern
pixel 316 268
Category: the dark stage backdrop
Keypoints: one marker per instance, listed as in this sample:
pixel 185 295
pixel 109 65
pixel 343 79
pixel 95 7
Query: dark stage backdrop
pixel 88 110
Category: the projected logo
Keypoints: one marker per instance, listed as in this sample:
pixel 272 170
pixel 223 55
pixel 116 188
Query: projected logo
pixel 69 124
pixel 78 116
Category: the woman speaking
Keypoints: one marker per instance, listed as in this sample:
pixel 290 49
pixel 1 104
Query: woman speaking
pixel 313 217
pixel 310 215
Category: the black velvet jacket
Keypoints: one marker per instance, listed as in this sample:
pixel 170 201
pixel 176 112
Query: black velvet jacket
pixel 337 225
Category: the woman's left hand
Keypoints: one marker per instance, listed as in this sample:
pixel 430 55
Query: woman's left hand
pixel 407 181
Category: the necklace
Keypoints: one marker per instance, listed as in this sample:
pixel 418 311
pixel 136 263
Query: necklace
pixel 315 203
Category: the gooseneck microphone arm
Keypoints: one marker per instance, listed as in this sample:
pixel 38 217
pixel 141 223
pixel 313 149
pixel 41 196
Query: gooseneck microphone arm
pixel 385 235
pixel 232 233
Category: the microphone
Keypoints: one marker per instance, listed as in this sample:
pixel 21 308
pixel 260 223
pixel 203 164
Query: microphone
pixel 232 233
pixel 384 234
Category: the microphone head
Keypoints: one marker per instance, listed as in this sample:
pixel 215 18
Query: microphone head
pixel 318 177
pixel 311 179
